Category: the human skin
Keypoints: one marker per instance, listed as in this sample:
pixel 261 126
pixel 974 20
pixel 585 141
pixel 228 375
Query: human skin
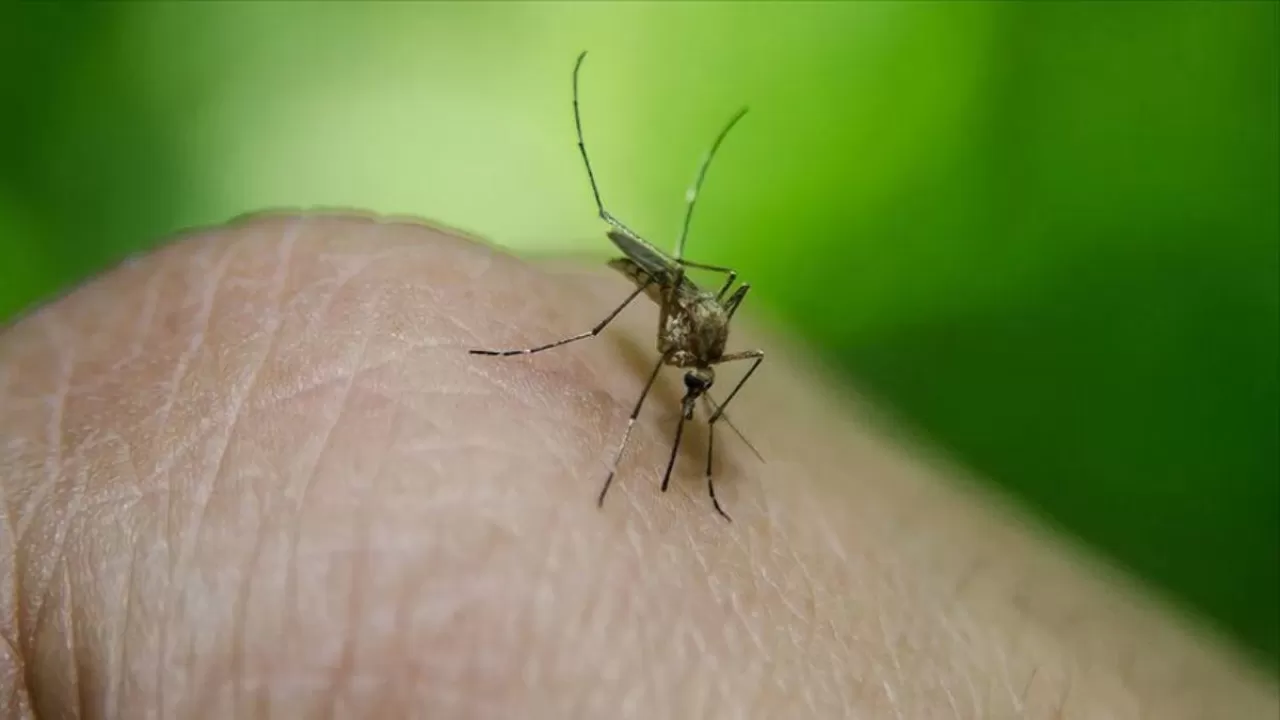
pixel 257 474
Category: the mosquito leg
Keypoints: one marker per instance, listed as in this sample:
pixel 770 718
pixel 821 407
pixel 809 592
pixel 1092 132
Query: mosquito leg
pixel 728 283
pixel 631 421
pixel 711 481
pixel 713 410
pixel 675 450
pixel 718 415
pixel 730 275
pixel 704 266
pixel 691 197
pixel 577 122
pixel 758 356
pixel 580 336
pixel 731 305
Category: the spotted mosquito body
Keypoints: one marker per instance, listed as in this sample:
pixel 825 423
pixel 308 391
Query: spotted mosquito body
pixel 693 323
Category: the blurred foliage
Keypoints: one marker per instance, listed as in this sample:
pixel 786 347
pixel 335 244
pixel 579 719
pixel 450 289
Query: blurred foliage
pixel 1046 234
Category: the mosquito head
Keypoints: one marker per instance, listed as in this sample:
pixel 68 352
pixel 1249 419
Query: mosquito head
pixel 696 382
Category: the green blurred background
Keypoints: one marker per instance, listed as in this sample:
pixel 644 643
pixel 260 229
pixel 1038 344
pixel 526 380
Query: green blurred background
pixel 1045 234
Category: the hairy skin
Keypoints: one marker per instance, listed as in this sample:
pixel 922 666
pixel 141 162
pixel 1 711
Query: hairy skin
pixel 256 474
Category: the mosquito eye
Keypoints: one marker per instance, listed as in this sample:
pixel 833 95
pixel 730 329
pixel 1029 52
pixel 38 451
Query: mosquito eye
pixel 693 382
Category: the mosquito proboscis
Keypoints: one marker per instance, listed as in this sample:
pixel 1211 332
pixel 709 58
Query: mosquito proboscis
pixel 693 324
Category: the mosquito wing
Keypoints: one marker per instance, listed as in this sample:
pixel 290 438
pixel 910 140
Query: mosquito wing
pixel 648 266
pixel 659 265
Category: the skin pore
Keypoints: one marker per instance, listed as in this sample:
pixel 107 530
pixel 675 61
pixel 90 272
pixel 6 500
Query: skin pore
pixel 257 474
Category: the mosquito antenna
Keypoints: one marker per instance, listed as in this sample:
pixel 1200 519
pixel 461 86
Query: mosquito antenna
pixel 691 197
pixel 714 408
pixel 582 147
pixel 577 123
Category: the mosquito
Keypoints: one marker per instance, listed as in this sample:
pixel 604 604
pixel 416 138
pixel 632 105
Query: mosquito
pixel 693 324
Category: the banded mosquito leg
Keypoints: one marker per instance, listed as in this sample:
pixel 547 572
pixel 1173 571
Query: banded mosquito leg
pixel 758 356
pixel 711 485
pixel 580 336
pixel 713 408
pixel 631 421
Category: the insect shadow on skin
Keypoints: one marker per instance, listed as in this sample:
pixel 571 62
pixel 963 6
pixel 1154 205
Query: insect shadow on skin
pixel 693 323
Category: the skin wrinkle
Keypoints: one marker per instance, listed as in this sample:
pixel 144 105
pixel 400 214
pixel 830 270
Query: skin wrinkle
pixel 275 321
pixel 951 701
pixel 48 583
pixel 467 610
pixel 948 622
pixel 205 490
pixel 239 625
pixel 53 432
pixel 1066 694
pixel 348 376
pixel 121 671
pixel 810 593
pixel 893 595
pixel 83 509
pixel 346 277
pixel 77 647
pixel 437 299
pixel 1006 684
pixel 71 533
pixel 399 693
pixel 195 343
pixel 364 518
pixel 649 650
pixel 805 639
pixel 541 603
pixel 889 643
pixel 236 415
pixel 561 453
pixel 583 620
pixel 308 475
pixel 204 315
pixel 589 619
pixel 342 375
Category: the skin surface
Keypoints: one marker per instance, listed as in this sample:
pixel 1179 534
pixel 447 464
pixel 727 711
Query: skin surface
pixel 257 474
